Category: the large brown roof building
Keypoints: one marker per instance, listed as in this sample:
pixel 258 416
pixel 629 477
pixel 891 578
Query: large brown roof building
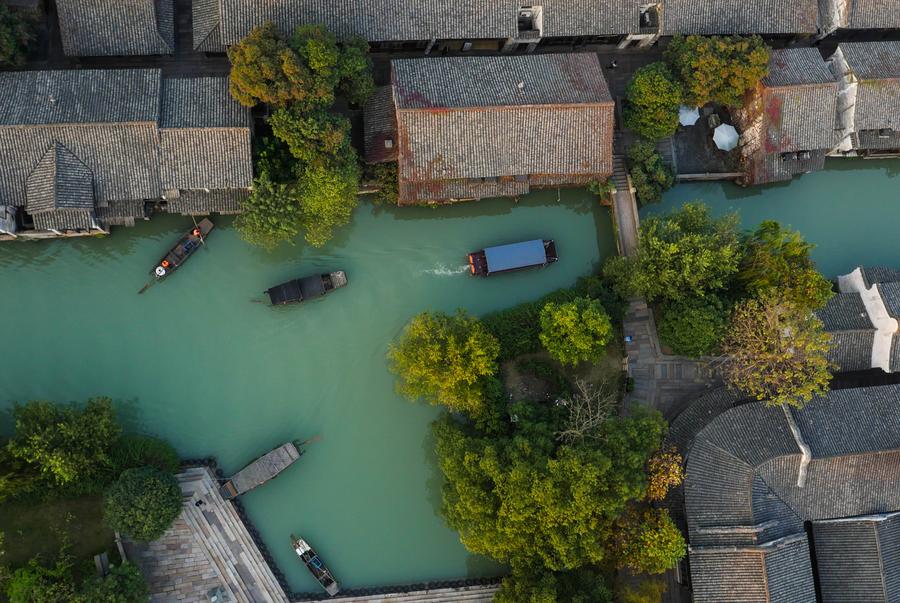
pixel 473 127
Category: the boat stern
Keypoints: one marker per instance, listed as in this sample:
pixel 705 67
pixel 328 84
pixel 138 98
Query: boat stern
pixel 338 278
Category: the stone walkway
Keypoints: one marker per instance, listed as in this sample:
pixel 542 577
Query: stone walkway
pixel 661 381
pixel 467 594
pixel 207 547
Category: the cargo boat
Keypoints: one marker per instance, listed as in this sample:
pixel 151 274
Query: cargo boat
pixel 303 289
pixel 516 256
pixel 315 565
pixel 261 470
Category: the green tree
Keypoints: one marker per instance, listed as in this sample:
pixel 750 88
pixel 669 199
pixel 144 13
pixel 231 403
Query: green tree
pixel 777 352
pixel 649 175
pixel 65 442
pixel 327 199
pixel 717 69
pixel 142 503
pixel 271 215
pixel 648 542
pixel 575 331
pixel 15 34
pixel 123 584
pixel 36 583
pixel 646 591
pixel 314 138
pixel 664 472
pixel 652 99
pixel 264 69
pixel 504 494
pixel 535 585
pixel 446 360
pixel 684 254
pixel 693 327
pixel 778 259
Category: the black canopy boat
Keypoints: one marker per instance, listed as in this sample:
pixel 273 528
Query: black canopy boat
pixel 516 256
pixel 179 254
pixel 302 289
pixel 315 565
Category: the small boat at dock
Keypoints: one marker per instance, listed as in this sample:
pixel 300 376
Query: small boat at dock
pixel 315 565
pixel 261 470
pixel 179 254
pixel 303 289
pixel 516 256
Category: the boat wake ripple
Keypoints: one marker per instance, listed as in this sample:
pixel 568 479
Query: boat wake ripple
pixel 443 270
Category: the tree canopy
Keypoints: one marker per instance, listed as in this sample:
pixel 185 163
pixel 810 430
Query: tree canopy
pixel 67 443
pixel 777 258
pixel 652 97
pixel 506 493
pixel 776 351
pixel 575 331
pixel 142 503
pixel 718 69
pixel 307 172
pixel 537 586
pixel 308 68
pixel 693 327
pixel 649 542
pixel 446 359
pixel 686 253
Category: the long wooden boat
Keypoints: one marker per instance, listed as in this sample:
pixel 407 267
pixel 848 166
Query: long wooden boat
pixel 183 249
pixel 261 470
pixel 315 565
pixel 303 289
pixel 516 256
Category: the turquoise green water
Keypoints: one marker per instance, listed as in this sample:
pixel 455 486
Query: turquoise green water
pixel 195 361
pixel 851 211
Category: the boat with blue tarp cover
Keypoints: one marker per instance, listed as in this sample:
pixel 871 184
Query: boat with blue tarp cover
pixel 315 565
pixel 515 256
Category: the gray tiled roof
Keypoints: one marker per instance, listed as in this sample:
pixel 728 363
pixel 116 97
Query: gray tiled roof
pixel 851 350
pixel 107 125
pixel 890 294
pixel 79 96
pixel 196 202
pixel 559 122
pixel 401 20
pixel 740 16
pixel 873 275
pixel 206 25
pixel 743 470
pixel 845 312
pixel 425 192
pixel 63 220
pixel 859 559
pixel 116 27
pixel 874 14
pixel 698 414
pixel 877 66
pixel 776 573
pixel 59 181
pixel 200 102
pixel 797 66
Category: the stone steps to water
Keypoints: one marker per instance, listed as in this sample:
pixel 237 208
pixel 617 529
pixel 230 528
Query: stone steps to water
pixel 467 594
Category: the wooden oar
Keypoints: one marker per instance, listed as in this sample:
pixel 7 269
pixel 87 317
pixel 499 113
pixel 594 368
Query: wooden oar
pixel 147 286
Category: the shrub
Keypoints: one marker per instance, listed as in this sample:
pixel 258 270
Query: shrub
pixel 693 327
pixel 664 471
pixel 717 69
pixel 652 100
pixel 575 331
pixel 142 503
pixel 649 175
pixel 15 34
pixel 384 176
pixel 123 584
pixel 134 450
pixel 445 359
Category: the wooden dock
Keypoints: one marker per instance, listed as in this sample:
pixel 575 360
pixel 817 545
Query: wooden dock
pixel 266 467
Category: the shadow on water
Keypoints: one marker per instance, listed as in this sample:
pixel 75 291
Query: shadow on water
pixel 435 482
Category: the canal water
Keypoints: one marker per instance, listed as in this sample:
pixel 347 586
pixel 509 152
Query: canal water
pixel 851 211
pixel 195 360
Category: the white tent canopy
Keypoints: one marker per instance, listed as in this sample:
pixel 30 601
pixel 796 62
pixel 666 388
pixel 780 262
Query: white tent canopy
pixel 726 137
pixel 688 116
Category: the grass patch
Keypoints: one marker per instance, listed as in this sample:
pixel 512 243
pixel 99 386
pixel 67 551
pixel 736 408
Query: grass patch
pixel 35 528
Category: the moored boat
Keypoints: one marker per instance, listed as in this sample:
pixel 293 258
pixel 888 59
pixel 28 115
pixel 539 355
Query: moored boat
pixel 186 246
pixel 516 256
pixel 303 289
pixel 261 470
pixel 315 565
